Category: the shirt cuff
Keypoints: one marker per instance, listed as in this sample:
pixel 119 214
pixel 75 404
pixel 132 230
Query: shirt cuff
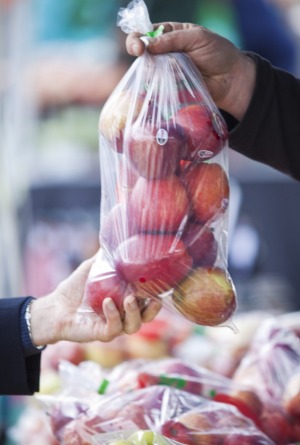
pixel 27 344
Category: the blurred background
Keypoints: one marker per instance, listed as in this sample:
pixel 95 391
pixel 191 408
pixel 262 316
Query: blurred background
pixel 59 62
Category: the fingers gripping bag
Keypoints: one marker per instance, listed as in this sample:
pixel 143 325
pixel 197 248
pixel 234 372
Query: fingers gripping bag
pixel 165 189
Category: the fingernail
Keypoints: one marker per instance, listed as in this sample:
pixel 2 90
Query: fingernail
pixel 110 304
pixel 131 301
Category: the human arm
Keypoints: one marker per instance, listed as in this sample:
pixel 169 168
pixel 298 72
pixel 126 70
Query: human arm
pixel 269 131
pixel 228 73
pixel 55 317
pixel 18 374
pixel 263 100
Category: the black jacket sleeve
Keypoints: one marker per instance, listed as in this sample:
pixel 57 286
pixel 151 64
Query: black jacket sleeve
pixel 270 130
pixel 18 375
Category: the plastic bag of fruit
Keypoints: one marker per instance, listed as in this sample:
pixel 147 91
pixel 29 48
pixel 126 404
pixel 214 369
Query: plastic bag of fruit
pixel 272 367
pixel 170 412
pixel 144 394
pixel 193 379
pixel 125 437
pixel 273 358
pixel 81 386
pixel 165 189
pixel 172 372
pixel 278 420
pixel 139 409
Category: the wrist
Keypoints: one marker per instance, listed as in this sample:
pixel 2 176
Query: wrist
pixel 42 321
pixel 30 348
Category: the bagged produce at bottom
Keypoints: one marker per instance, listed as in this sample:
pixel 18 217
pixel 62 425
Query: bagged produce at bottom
pixel 139 437
pixel 181 416
pixel 272 368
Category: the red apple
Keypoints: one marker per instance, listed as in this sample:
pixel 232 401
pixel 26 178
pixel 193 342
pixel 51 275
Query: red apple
pixel 173 372
pixel 292 405
pixel 91 423
pixel 201 244
pixel 242 403
pixel 106 285
pixel 295 429
pixel 245 439
pixel 208 189
pixel 185 377
pixel 153 263
pixel 195 119
pixel 212 146
pixel 158 205
pixel 155 150
pixel 183 165
pixel 146 379
pixel 291 396
pixel 189 96
pixel 179 432
pixel 71 435
pixel 116 227
pixel 250 398
pixel 201 428
pixel 206 297
pixel 126 180
pixel 204 140
pixel 230 418
pixel 120 110
pixel 276 425
pixel 196 419
pixel 81 430
pixel 174 380
pixel 176 366
pixel 132 413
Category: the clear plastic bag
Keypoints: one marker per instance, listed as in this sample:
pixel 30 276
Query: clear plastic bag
pixel 272 368
pixel 165 189
pixel 172 413
pixel 196 380
pixel 156 395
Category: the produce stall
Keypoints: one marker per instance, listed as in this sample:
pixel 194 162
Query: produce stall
pixel 191 402
pixel 218 375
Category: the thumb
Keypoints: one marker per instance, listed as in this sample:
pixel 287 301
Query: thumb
pixel 134 44
pixel 182 40
pixel 84 268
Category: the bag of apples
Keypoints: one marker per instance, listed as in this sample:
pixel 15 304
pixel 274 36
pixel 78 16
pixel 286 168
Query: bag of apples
pixel 165 189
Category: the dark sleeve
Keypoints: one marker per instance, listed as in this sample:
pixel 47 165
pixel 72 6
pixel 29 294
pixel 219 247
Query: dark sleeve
pixel 18 375
pixel 270 130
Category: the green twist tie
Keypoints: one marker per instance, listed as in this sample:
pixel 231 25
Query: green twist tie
pixel 176 382
pixel 158 32
pixel 212 393
pixel 103 386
